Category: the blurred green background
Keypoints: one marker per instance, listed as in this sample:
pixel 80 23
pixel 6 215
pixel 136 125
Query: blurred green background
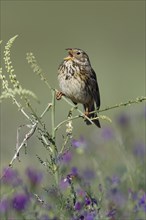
pixel 111 32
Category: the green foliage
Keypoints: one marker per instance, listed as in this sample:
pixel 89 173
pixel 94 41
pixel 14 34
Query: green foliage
pixel 11 86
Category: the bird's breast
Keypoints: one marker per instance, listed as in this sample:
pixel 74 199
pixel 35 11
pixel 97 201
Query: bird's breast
pixel 72 82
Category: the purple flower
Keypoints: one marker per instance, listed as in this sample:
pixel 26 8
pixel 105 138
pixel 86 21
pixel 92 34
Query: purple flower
pixel 111 213
pixel 20 201
pixel 117 197
pixel 74 171
pixel 44 217
pixel 89 217
pixel 34 176
pixel 64 184
pixel 114 180
pixel 88 174
pixel 11 177
pixel 142 202
pixel 67 157
pixel 80 143
pixel 4 205
pixel 139 149
pixel 123 120
pixel 78 206
pixel 133 195
pixel 81 193
pixel 107 133
pixel 87 201
pixel 69 177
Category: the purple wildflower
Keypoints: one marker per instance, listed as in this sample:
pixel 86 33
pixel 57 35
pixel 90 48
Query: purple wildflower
pixel 63 184
pixel 11 177
pixel 123 120
pixel 80 143
pixel 81 217
pixel 90 217
pixel 87 201
pixel 78 206
pixel 44 217
pixel 107 133
pixel 142 202
pixel 20 201
pixel 88 174
pixel 67 157
pixel 4 205
pixel 81 193
pixel 111 213
pixel 74 171
pixel 70 176
pixel 34 176
pixel 117 197
pixel 139 149
pixel 114 180
pixel 133 195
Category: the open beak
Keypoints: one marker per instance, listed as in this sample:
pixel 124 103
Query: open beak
pixel 70 52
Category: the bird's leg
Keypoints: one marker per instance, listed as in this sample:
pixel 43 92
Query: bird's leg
pixel 59 95
pixel 86 112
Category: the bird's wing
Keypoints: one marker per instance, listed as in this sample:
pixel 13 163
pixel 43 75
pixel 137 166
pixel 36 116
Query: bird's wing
pixel 95 88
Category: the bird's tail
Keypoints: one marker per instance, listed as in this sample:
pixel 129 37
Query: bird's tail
pixel 92 115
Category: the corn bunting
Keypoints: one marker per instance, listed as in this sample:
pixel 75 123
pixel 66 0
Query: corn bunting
pixel 78 82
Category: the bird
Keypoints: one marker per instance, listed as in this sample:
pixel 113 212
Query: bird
pixel 78 82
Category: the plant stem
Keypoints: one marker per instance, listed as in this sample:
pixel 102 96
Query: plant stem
pixel 54 148
pixel 122 104
pixel 46 109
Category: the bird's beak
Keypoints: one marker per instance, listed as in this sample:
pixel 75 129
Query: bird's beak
pixel 70 52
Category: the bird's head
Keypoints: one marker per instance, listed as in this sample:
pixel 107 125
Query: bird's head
pixel 78 56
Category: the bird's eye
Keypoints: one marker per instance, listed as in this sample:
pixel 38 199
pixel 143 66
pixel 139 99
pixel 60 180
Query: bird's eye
pixel 78 53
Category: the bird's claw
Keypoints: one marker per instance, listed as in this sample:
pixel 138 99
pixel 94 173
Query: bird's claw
pixel 59 95
pixel 86 113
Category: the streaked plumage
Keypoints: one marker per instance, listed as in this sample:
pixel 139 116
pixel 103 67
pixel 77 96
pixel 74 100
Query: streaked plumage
pixel 78 82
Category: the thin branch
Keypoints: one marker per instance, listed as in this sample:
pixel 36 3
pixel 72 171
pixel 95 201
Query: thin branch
pixel 21 109
pixel 54 147
pixel 27 136
pixel 122 104
pixel 30 133
pixel 64 144
pixel 68 119
pixel 46 109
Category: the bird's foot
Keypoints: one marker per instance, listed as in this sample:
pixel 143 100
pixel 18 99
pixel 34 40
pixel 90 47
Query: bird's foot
pixel 86 113
pixel 59 95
